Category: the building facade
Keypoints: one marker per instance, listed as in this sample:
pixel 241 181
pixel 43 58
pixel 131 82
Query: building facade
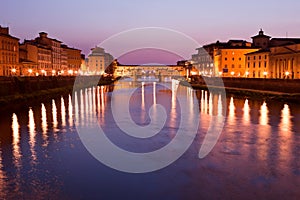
pixel 277 58
pixel 73 59
pixel 98 60
pixel 9 53
pixel 225 59
pixel 230 61
pixel 48 57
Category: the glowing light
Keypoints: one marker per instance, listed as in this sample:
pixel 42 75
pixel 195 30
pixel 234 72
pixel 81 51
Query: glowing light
pixel 194 73
pixel 220 73
pixel 287 73
pixel 232 73
pixel 62 71
pixel 247 73
pixel 264 114
pixel 70 71
pixel 53 71
pixel 31 126
pixel 13 70
pixel 30 71
pixel 265 73
pixel 16 140
pixel 44 124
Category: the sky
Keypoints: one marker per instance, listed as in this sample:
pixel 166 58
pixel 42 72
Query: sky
pixel 85 24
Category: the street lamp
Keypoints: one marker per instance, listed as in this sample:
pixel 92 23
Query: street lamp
pixel 265 74
pixel 247 74
pixel 53 72
pixel 287 73
pixel 232 73
pixel 43 72
pixel 29 71
pixel 13 70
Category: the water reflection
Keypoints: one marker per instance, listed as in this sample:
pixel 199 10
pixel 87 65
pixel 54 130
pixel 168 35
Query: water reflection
pixel 246 110
pixel 285 135
pixel 54 115
pixel 16 141
pixel 264 133
pixel 70 111
pixel 263 119
pixel 259 139
pixel 44 125
pixel 3 178
pixel 63 112
pixel 231 113
pixel 32 133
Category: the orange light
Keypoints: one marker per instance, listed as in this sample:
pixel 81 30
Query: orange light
pixel 13 70
pixel 30 71
pixel 287 73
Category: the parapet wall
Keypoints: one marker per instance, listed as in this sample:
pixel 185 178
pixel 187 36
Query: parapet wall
pixel 275 85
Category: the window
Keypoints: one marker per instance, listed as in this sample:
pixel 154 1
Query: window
pixel 232 65
pixel 259 64
pixel 259 57
pixel 265 56
pixel 240 59
pixel 226 66
pixel 225 58
pixel 265 64
pixel 240 66
pixel 254 57
pixel 253 65
pixel 248 57
pixel 232 59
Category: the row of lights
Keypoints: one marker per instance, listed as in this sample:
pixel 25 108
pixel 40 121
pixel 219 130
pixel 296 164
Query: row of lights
pixel 70 72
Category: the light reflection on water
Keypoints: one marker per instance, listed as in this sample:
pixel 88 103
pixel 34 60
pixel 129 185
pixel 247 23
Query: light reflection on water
pixel 264 144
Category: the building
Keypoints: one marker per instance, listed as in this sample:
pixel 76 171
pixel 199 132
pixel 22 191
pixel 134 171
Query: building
pixel 29 62
pixel 230 61
pixel 276 58
pixel 257 64
pixel 48 57
pixel 73 61
pixel 225 59
pixel 9 53
pixel 98 60
pixel 285 62
pixel 56 50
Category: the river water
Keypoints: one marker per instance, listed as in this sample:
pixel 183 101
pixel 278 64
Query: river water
pixel 256 155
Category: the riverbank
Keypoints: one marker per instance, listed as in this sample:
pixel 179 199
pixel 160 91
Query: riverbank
pixel 281 90
pixel 17 92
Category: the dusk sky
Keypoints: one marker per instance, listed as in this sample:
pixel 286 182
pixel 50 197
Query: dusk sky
pixel 84 24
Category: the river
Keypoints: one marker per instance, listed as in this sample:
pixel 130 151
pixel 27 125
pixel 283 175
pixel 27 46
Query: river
pixel 256 155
